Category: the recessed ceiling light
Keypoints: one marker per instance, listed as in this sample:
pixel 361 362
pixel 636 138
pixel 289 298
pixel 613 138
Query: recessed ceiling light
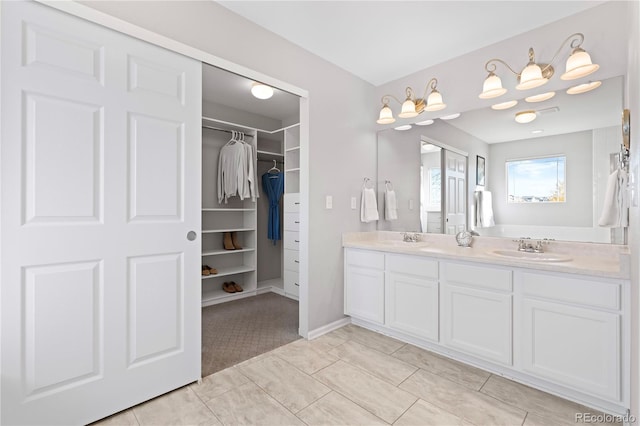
pixel 582 88
pixel 541 97
pixel 525 116
pixel 424 123
pixel 535 132
pixel 261 91
pixel 450 116
pixel 504 105
pixel 403 127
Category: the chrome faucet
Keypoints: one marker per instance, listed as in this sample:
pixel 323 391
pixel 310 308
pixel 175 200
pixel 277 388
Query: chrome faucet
pixel 528 245
pixel 410 237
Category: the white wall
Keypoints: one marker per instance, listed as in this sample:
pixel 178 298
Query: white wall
pixel 342 142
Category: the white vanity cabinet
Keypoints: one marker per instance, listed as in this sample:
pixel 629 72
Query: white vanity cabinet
pixel 570 330
pixel 411 297
pixel 364 285
pixel 477 305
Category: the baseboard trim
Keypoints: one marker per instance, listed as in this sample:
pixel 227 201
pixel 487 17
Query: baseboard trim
pixel 313 334
pixel 270 289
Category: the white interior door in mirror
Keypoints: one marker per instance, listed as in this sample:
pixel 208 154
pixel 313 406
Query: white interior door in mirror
pixel 100 185
pixel 455 172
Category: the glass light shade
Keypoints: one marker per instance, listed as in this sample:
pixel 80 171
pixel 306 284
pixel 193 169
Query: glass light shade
pixel 386 116
pixel 434 101
pixel 403 127
pixel 583 88
pixel 492 87
pixel 579 65
pixel 531 77
pixel 450 116
pixel 541 97
pixel 504 105
pixel 424 123
pixel 261 91
pixel 525 116
pixel 408 109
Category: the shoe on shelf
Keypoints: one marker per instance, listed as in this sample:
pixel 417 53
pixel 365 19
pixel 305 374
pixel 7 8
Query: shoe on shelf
pixel 234 240
pixel 236 286
pixel 209 270
pixel 227 242
pixel 205 270
pixel 229 287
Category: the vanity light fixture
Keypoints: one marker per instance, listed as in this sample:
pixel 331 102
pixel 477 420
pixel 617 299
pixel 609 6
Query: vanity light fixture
pixel 524 117
pixel 504 105
pixel 261 91
pixel 541 97
pixel 450 116
pixel 412 106
pixel 425 123
pixel 403 127
pixel 583 88
pixel 536 74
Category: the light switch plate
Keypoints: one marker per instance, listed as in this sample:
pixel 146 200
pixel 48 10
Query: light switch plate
pixel 354 203
pixel 329 202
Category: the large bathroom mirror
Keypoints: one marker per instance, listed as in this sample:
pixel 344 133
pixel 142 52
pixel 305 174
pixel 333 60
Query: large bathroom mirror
pixel 583 130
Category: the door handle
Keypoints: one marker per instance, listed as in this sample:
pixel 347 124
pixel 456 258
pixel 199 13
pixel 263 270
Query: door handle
pixel 191 235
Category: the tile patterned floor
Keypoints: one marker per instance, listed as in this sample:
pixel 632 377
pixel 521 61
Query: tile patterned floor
pixel 352 376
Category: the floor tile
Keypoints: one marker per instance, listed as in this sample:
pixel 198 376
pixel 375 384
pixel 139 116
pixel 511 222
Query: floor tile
pixel 123 418
pixel 377 363
pixel 285 383
pixel 375 395
pixel 306 356
pixel 180 407
pixel 369 338
pixel 534 401
pixel 458 372
pixel 473 406
pixel 250 405
pixel 426 414
pixel 219 383
pixel 334 409
pixel 327 342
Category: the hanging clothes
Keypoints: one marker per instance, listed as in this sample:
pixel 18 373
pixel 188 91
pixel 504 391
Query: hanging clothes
pixel 237 170
pixel 273 186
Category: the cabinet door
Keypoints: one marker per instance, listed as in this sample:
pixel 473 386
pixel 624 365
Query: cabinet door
pixel 412 305
pixel 364 294
pixel 477 322
pixel 572 346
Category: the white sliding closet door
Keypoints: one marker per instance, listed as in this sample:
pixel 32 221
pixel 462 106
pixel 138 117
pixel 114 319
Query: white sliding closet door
pixel 100 184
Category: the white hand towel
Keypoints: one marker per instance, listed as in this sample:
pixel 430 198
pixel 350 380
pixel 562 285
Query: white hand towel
pixel 368 205
pixel 390 203
pixel 484 209
pixel 614 212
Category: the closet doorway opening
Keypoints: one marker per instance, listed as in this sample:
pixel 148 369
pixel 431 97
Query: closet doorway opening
pixel 250 219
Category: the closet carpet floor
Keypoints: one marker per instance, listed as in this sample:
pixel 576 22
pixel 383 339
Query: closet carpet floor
pixel 235 331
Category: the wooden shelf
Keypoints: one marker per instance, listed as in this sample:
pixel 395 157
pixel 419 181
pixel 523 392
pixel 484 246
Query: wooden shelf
pixel 297 169
pixel 230 270
pixel 223 251
pixel 295 148
pixel 222 209
pixel 213 297
pixel 217 231
pixel 269 154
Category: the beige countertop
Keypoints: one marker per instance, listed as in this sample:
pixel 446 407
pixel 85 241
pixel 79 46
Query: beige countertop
pixel 601 260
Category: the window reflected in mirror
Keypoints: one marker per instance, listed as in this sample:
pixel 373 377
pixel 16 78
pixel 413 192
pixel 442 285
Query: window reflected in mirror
pixel 536 180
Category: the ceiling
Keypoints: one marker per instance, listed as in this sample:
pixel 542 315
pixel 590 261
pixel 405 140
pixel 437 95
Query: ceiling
pixel 381 41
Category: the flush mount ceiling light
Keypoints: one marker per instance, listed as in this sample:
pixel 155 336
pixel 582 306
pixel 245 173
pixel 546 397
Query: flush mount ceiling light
pixel 536 74
pixel 412 106
pixel 541 97
pixel 403 127
pixel 523 117
pixel 583 88
pixel 504 105
pixel 424 123
pixel 536 132
pixel 261 91
pixel 450 116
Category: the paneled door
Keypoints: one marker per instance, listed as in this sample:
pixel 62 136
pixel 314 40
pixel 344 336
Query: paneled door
pixel 100 167
pixel 455 189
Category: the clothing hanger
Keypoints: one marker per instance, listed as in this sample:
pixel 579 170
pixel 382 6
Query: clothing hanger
pixel 274 169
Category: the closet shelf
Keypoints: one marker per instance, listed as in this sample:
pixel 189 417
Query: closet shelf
pixel 223 251
pixel 215 231
pixel 295 148
pixel 268 154
pixel 222 209
pixel 213 297
pixel 230 270
pixel 297 169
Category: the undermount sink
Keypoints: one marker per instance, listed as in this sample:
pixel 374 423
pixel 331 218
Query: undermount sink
pixel 532 256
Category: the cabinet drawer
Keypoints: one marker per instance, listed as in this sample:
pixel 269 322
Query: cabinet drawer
pixel 477 276
pixel 292 260
pixel 292 221
pixel 291 240
pixel 291 283
pixel 413 265
pixel 367 259
pixel 291 203
pixel 580 291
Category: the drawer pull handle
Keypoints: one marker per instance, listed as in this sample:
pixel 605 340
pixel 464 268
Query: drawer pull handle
pixel 297 221
pixel 297 284
pixel 297 204
pixel 296 261
pixel 296 241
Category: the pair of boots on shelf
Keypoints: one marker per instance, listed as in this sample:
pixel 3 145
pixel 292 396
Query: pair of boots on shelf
pixel 232 287
pixel 208 270
pixel 230 241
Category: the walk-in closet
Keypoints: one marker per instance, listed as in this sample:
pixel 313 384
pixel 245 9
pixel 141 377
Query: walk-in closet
pixel 250 219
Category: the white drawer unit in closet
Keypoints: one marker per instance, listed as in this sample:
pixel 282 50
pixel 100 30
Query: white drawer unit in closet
pixel 291 243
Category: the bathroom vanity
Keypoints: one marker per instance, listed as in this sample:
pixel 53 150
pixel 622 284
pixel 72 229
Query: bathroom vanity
pixel 557 321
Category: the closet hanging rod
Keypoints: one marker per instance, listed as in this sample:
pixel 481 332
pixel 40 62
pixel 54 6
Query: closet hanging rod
pixel 224 130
